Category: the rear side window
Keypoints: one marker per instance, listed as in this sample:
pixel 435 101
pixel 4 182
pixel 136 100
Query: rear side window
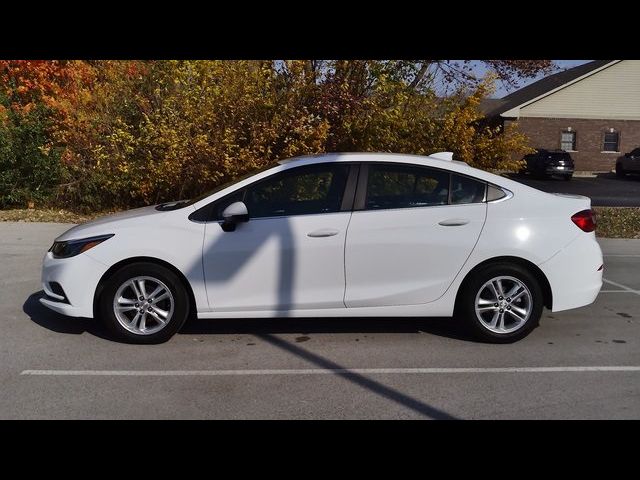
pixel 403 186
pixel 466 190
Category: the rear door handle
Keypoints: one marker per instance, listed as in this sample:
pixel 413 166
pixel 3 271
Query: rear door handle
pixel 453 222
pixel 323 232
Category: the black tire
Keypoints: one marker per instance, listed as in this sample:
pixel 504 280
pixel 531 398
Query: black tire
pixel 620 171
pixel 566 178
pixel 465 307
pixel 542 175
pixel 170 279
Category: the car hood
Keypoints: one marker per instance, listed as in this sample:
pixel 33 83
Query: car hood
pixel 112 223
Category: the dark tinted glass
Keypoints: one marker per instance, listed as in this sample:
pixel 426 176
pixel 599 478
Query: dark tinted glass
pixel 611 142
pixel 560 156
pixel 635 153
pixel 399 186
pixel 300 191
pixel 466 190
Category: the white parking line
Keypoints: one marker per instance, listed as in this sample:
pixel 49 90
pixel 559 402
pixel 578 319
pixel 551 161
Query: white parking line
pixel 326 371
pixel 621 255
pixel 619 285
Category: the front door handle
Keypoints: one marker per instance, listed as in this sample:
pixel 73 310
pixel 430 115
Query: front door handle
pixel 323 232
pixel 453 222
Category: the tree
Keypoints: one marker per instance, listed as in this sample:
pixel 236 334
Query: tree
pixel 104 134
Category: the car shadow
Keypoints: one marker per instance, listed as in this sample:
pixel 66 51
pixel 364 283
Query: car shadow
pixel 441 327
pixel 613 176
pixel 59 323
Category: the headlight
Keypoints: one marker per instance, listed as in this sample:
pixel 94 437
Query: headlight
pixel 71 248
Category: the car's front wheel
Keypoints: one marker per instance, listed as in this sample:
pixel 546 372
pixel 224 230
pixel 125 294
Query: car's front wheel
pixel 501 303
pixel 620 170
pixel 144 303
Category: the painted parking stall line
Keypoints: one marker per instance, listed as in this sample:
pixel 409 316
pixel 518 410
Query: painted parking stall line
pixel 328 371
pixel 619 285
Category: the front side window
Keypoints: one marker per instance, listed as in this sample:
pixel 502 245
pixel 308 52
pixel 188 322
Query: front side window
pixel 403 186
pixel 568 141
pixel 610 142
pixel 304 190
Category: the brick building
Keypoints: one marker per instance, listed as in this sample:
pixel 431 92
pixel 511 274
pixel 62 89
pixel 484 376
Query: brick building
pixel 591 111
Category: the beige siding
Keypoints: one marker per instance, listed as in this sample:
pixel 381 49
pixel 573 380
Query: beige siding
pixel 612 93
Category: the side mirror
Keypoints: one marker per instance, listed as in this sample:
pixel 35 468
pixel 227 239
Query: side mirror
pixel 232 215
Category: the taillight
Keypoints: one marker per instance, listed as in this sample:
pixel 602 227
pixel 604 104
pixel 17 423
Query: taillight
pixel 585 220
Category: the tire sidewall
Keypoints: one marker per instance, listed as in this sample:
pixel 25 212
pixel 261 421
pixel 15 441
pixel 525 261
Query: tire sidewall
pixel 466 304
pixel 170 279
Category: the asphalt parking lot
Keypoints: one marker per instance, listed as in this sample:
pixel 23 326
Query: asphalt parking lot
pixel 605 189
pixel 580 364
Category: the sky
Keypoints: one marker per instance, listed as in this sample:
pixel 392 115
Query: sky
pixel 501 91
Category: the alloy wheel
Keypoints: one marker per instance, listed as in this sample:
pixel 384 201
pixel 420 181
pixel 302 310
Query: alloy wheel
pixel 503 304
pixel 143 305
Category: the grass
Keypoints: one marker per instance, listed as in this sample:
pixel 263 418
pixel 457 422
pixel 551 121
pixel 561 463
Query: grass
pixel 618 222
pixel 44 215
pixel 613 222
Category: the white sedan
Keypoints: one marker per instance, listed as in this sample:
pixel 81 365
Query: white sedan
pixel 335 235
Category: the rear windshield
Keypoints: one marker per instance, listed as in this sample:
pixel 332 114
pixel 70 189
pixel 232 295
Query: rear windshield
pixel 560 155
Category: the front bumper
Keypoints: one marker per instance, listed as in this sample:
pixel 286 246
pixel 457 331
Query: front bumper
pixel 79 277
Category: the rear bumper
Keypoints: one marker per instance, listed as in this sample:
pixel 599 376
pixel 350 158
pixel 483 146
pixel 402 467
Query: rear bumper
pixel 559 170
pixel 574 274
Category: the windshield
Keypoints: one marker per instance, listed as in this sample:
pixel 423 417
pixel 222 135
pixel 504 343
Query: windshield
pixel 185 203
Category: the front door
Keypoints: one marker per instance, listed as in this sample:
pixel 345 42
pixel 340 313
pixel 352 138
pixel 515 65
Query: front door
pixel 290 254
pixel 411 236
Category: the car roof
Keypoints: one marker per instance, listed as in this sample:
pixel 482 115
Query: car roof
pixel 437 160
pixel 546 150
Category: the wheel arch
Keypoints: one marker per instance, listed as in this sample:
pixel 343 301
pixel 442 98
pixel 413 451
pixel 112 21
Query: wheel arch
pixel 127 261
pixel 531 267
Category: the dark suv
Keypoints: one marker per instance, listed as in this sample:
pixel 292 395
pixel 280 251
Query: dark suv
pixel 628 163
pixel 544 163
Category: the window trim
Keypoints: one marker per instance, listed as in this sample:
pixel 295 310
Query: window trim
pixel 355 193
pixel 204 214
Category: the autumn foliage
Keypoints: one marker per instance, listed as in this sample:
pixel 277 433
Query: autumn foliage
pixel 113 134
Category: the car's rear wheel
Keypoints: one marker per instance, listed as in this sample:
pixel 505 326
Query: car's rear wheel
pixel 501 303
pixel 144 303
pixel 566 178
pixel 620 170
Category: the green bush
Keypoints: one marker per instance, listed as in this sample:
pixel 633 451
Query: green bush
pixel 29 167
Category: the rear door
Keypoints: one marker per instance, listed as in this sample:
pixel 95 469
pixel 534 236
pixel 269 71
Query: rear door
pixel 411 232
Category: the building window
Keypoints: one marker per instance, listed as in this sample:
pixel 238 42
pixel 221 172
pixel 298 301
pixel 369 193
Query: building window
pixel 568 141
pixel 610 141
